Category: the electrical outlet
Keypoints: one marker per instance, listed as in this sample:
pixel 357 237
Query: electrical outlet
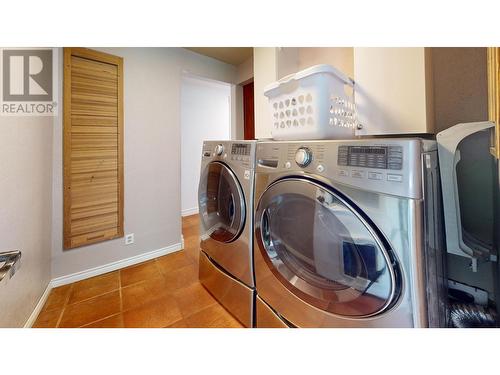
pixel 129 239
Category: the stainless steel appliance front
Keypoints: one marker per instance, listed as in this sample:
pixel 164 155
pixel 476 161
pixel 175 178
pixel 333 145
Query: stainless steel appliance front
pixel 340 244
pixel 225 196
pixel 235 296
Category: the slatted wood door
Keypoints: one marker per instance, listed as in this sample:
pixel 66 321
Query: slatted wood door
pixel 494 96
pixel 93 147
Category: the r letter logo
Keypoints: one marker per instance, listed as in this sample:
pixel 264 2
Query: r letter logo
pixel 28 82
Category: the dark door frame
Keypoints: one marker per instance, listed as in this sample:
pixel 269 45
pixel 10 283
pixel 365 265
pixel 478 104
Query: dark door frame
pixel 248 111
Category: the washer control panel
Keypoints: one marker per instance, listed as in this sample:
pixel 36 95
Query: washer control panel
pixel 390 165
pixel 380 157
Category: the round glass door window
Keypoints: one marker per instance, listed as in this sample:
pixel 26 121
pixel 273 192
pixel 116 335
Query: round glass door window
pixel 221 203
pixel 323 250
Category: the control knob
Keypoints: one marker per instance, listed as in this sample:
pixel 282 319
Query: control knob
pixel 219 149
pixel 303 157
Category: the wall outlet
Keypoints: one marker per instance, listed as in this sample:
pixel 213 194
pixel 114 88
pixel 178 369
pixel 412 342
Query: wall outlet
pixel 129 239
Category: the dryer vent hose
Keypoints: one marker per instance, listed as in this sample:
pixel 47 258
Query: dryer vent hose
pixel 464 315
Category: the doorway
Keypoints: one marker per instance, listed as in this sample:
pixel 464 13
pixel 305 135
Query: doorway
pixel 205 115
pixel 248 112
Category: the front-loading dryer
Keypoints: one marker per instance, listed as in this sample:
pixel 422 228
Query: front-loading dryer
pixel 349 234
pixel 225 196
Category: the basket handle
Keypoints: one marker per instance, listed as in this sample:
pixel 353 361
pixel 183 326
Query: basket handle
pixel 287 78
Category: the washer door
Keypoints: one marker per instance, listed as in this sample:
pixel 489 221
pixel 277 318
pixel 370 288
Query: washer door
pixel 221 203
pixel 324 250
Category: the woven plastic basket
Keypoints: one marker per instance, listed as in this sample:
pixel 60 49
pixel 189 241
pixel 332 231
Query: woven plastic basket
pixel 315 103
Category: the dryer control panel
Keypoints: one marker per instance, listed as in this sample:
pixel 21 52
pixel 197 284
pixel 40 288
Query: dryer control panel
pixel 390 165
pixel 235 153
pixel 241 149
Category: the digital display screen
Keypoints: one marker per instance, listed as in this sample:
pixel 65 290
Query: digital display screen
pixel 368 150
pixel 240 149
pixel 381 157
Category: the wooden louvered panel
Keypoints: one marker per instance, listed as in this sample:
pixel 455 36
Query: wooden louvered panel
pixel 90 238
pixel 98 83
pixel 100 196
pixel 493 55
pixel 94 223
pixel 86 166
pixel 94 141
pixel 93 182
pixel 95 91
pixel 91 201
pixel 94 130
pixel 93 109
pixel 86 97
pixel 95 177
pixel 87 193
pixel 83 121
pixel 91 211
pixel 91 67
pixel 93 147
pixel 89 86
pixel 89 154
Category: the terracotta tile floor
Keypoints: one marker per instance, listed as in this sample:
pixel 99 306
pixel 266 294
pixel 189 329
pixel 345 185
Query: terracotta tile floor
pixel 163 292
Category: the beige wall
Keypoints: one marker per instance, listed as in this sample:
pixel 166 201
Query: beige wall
pixel 238 125
pixel 437 87
pixel 458 80
pixel 429 90
pixel 25 212
pixel 341 58
pixel 244 71
pixel 269 65
pixel 460 86
pixel 265 72
pixel 287 61
pixel 244 75
pixel 152 147
pixel 392 91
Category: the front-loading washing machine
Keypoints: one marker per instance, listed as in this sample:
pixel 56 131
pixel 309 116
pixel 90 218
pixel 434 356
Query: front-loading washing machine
pixel 349 234
pixel 225 196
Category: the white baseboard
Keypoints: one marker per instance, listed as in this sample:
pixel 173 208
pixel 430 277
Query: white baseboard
pixel 96 271
pixel 190 211
pixel 39 306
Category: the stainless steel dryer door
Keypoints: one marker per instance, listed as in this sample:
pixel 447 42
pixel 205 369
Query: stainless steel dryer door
pixel 322 249
pixel 221 203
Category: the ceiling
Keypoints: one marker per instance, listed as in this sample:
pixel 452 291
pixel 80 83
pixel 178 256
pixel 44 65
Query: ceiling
pixel 230 55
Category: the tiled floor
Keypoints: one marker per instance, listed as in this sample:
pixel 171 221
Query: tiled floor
pixel 163 292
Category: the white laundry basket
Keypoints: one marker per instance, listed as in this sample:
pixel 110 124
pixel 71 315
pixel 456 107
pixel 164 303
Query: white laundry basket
pixel 315 103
